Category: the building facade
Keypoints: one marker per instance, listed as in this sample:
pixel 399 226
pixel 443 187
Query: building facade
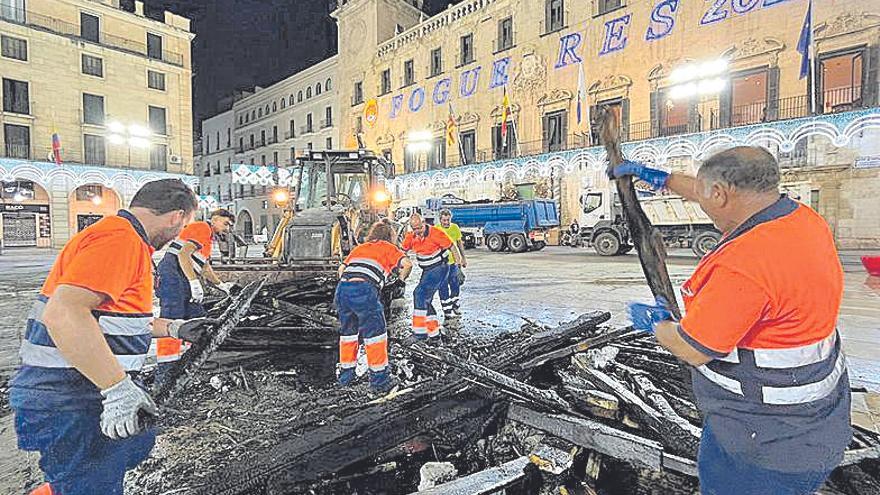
pixel 96 101
pixel 670 70
pixel 268 128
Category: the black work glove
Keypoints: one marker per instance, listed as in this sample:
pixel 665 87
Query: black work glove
pixel 190 330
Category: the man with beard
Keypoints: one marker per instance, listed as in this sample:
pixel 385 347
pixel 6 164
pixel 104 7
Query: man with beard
pixel 87 336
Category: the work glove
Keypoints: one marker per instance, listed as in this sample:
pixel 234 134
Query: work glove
pixel 460 275
pixel 122 403
pixel 645 317
pixel 190 330
pixel 656 178
pixel 226 287
pixel 196 291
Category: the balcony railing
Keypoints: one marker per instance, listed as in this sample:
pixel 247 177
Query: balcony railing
pixel 289 135
pixel 64 28
pixel 306 129
pixel 325 123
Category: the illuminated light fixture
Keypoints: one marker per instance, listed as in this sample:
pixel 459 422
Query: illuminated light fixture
pixel 418 146
pixel 690 72
pixel 139 142
pixel 711 86
pixel 96 200
pixel 19 197
pixel 419 136
pixel 683 91
pixel 139 131
pixel 116 139
pixel 381 196
pixel 116 127
pixel 280 196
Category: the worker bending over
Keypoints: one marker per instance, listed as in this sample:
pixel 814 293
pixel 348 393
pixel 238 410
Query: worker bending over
pixel 180 289
pixel 87 336
pixel 361 316
pixel 451 288
pixel 769 373
pixel 432 248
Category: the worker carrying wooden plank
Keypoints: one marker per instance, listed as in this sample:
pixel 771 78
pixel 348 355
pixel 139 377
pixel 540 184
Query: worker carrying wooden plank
pixel 75 398
pixel 760 330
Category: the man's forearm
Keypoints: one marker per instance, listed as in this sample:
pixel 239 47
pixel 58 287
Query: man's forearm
pixel 682 185
pixel 160 327
pixel 210 275
pixel 460 246
pixel 457 254
pixel 80 340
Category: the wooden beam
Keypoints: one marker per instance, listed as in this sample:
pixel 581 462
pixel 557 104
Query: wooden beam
pixel 484 482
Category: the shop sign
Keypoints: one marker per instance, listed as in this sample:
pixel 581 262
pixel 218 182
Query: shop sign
pixel 20 208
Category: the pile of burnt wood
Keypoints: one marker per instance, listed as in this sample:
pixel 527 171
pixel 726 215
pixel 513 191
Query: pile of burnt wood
pixel 606 411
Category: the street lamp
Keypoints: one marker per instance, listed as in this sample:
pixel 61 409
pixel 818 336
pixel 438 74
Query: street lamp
pixel 133 135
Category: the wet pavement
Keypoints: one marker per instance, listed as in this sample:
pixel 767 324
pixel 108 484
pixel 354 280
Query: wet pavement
pixel 501 289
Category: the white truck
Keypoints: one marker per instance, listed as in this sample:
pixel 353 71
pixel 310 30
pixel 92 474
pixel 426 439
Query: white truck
pixel 682 223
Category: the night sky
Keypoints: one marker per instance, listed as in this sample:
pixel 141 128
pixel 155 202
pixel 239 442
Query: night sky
pixel 244 43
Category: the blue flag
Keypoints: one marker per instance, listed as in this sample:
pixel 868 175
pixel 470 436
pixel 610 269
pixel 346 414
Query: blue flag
pixel 805 41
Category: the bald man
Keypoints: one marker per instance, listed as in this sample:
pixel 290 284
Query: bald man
pixel 760 331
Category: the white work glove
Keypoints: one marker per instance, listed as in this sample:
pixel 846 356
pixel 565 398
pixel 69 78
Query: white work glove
pixel 197 292
pixel 226 286
pixel 122 402
pixel 174 328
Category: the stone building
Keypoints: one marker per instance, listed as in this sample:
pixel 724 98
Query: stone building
pixel 684 78
pixel 111 89
pixel 267 129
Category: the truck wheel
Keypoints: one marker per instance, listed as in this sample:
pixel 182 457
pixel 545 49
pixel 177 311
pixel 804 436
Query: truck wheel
pixel 705 242
pixel 495 242
pixel 607 244
pixel 517 243
pixel 538 245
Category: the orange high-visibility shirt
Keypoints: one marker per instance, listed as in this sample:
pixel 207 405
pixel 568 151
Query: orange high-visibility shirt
pixel 201 234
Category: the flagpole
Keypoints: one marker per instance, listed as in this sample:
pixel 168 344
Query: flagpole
pixel 516 134
pixel 814 59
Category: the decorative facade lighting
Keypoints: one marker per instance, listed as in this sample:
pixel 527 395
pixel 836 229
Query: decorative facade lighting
pixel 698 79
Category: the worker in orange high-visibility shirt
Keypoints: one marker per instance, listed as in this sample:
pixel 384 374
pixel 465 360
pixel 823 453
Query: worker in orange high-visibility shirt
pixel 760 331
pixel 180 288
pixel 432 247
pixel 76 395
pixel 364 273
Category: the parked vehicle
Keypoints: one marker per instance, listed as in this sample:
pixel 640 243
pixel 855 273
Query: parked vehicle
pixel 519 226
pixel 682 223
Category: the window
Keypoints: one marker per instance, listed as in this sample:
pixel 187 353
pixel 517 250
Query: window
pixel 14 48
pixel 228 137
pixel 267 109
pixel 274 133
pixel 290 102
pixel 274 106
pixel 504 148
pixel 93 109
pixel 840 79
pixel 15 96
pixel 18 141
pixel 386 82
pixel 437 159
pixel 252 141
pixel 505 34
pixel 436 61
pixel 317 89
pixel 555 126
pixel 260 112
pixel 156 80
pixel 159 157
pixel 253 115
pixel 12 10
pixel 217 142
pixel 309 125
pixel 328 117
pixel 674 115
pixel 605 6
pixel 154 46
pixel 467 49
pixel 358 96
pixel 309 146
pixel 89 27
pixel 409 75
pixel 275 158
pixel 328 144
pixel 291 133
pixel 308 92
pixel 358 124
pixel 94 149
pixel 240 144
pixel 328 85
pixel 263 160
pixel 469 146
pixel 207 143
pixel 217 169
pixel 157 121
pixel 228 168
pixel 92 66
pixel 554 15
pixel 283 103
pixel 263 137
pixel 748 99
pixel 299 96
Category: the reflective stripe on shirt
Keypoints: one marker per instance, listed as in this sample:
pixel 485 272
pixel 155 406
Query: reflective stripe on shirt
pixel 199 261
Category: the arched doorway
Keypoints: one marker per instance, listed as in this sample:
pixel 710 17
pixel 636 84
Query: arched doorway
pixel 24 207
pixel 90 203
pixel 247 225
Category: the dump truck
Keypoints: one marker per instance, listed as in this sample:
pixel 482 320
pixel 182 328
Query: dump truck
pixel 517 226
pixel 333 198
pixel 683 223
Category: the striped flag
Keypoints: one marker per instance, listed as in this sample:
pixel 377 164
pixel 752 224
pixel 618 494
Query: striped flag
pixel 505 114
pixel 450 127
pixel 56 148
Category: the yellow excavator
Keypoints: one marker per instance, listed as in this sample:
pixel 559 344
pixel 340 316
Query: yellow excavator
pixel 334 197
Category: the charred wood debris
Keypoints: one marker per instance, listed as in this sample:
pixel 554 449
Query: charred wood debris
pixel 580 408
